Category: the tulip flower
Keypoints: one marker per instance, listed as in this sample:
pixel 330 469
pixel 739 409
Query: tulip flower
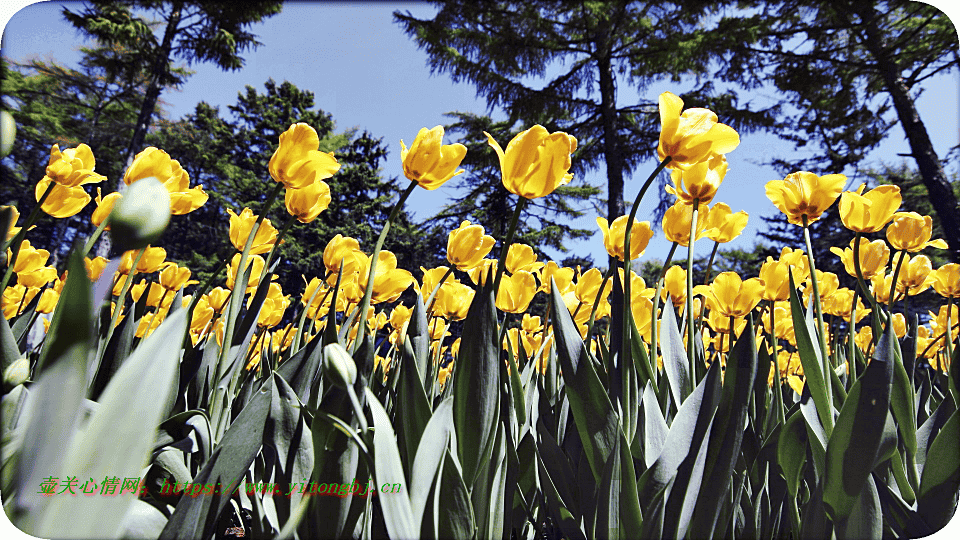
pixel 613 237
pixel 29 259
pixel 676 223
pixel 240 227
pixel 911 232
pixel 298 162
pixel 15 300
pixel 104 207
pixel 516 292
pixel 880 288
pixel 914 277
pixel 478 274
pixel 840 303
pixel 870 212
pixel 873 257
pixel 730 295
pixel 153 162
pixel 345 250
pixel 700 181
pixel 389 282
pixel 453 301
pixel 307 202
pixel 63 202
pixel 429 162
pixel 561 275
pixel 73 167
pixel 256 263
pixel 535 162
pixel 151 261
pixel 675 284
pixel 693 136
pixel 946 280
pixel 37 278
pixel 274 305
pixel 173 277
pixel 14 216
pixel 432 277
pixel 156 295
pixel 140 217
pixel 804 194
pixel 776 280
pixel 48 301
pixel 468 245
pixel 588 286
pixel 521 257
pixel 723 225
pixel 95 267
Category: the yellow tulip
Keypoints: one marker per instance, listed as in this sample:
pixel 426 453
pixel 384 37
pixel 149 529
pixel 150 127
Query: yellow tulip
pixel 535 162
pixel 104 207
pixel 776 280
pixel 516 292
pixel 700 181
pixel 914 277
pixel 149 322
pixel 675 284
pixel 155 294
pixel 720 323
pixel 255 261
pixel 840 303
pixel 307 202
pixel 730 295
pixel 14 216
pixel 873 257
pixel 389 282
pixel 274 305
pixel 561 275
pixel 95 267
pixel 63 202
pixel 521 257
pixel 880 288
pixel 48 301
pixel 938 322
pixel 345 250
pixel 37 278
pixel 453 301
pixel 478 274
pixel 29 258
pixel 723 225
pixel 676 223
pixel 613 237
pixel 298 162
pixel 151 261
pixel 429 162
pixel 217 298
pixel 467 245
pixel 870 212
pixel 805 194
pixel 174 278
pixel 693 136
pixel 588 286
pixel 73 167
pixel 911 232
pixel 946 280
pixel 241 226
pixel 153 162
pixel 431 278
pixel 827 282
pixel 15 300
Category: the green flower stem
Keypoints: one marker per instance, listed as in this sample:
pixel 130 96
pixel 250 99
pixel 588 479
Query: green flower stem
pixel 116 312
pixel 96 234
pixel 893 282
pixel 635 207
pixel 17 241
pixel 860 279
pixel 276 244
pixel 688 305
pixel 511 231
pixel 656 304
pixel 713 255
pixel 593 310
pixel 368 291
pixel 776 360
pixel 820 328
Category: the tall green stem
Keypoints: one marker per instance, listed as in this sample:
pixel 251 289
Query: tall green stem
pixel 688 305
pixel 505 248
pixel 656 303
pixel 825 358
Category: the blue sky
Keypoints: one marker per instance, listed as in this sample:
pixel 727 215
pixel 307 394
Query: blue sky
pixel 366 72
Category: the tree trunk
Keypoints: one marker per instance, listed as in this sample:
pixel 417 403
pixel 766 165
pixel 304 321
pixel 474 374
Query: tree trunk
pixel 611 146
pixel 931 170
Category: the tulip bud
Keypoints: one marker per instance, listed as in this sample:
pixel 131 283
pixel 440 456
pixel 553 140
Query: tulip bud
pixel 8 132
pixel 338 365
pixel 141 216
pixel 16 373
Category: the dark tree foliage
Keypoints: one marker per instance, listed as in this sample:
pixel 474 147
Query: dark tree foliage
pixel 559 64
pixel 230 155
pixel 849 72
pixel 195 31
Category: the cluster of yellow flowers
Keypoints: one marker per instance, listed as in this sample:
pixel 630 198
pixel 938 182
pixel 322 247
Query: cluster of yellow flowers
pixel 693 145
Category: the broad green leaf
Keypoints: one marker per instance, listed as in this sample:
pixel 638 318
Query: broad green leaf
pixel 455 512
pixel 568 524
pixel 902 404
pixel 429 454
pixel 727 432
pixel 397 512
pixel 618 506
pixel 287 432
pixel 9 351
pixel 412 408
pixel 119 436
pixel 931 428
pixel 855 442
pixel 476 386
pixel 654 427
pixel 792 451
pixel 196 517
pixel 675 363
pixel 810 360
pixel 937 497
pixel 866 518
pixel 593 414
